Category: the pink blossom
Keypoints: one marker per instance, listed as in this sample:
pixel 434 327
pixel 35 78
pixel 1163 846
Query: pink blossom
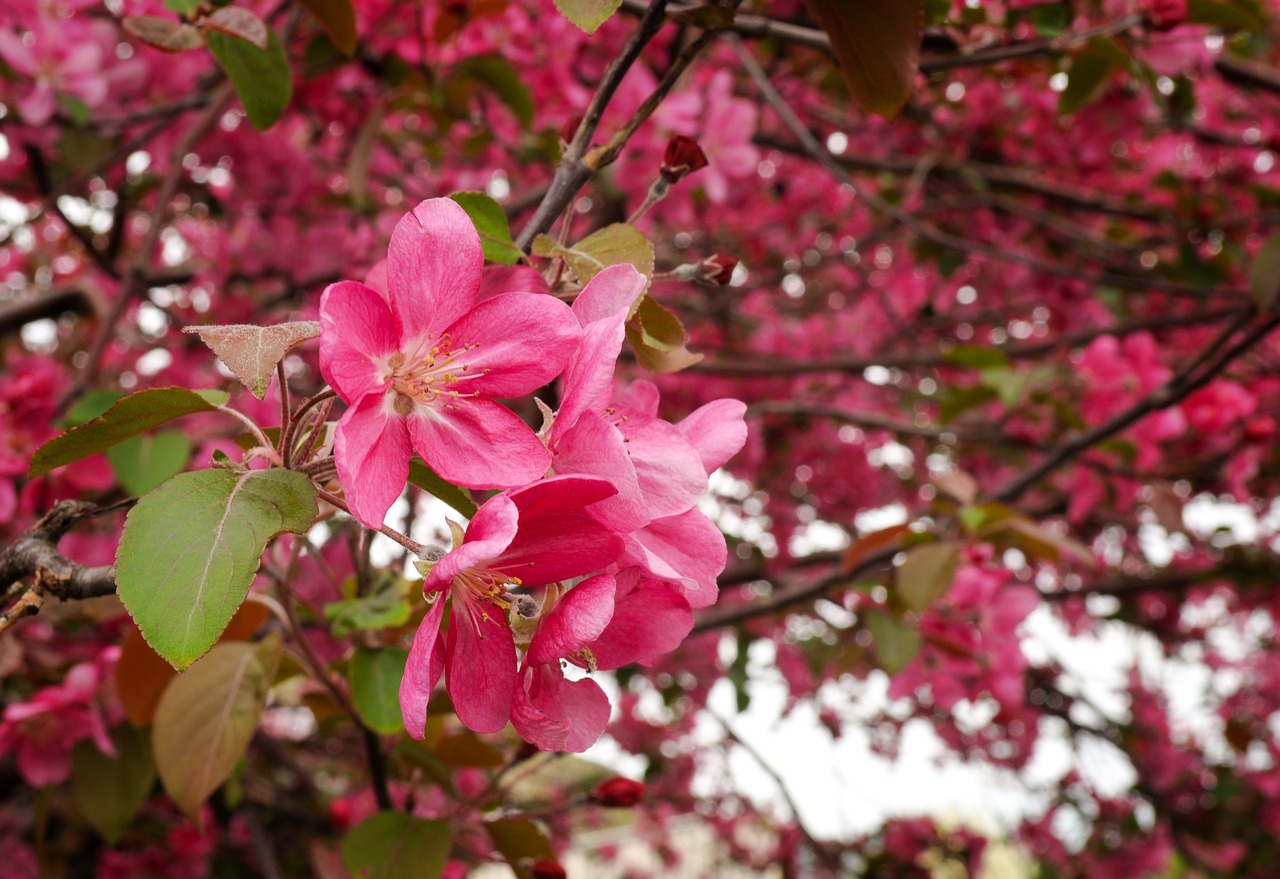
pixel 419 366
pixel 528 537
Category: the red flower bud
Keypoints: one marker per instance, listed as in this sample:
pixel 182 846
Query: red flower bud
pixel 569 128
pixel 547 868
pixel 682 158
pixel 1162 15
pixel 618 791
pixel 718 269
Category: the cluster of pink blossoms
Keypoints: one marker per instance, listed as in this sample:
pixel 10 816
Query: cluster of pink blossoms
pixel 593 553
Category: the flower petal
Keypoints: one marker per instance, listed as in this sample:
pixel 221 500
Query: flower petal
pixel 556 542
pixel 577 620
pixel 614 290
pixel 641 395
pixel 595 447
pixel 511 279
pixel 371 449
pixel 555 714
pixel 480 663
pixel 434 263
pixel 523 341
pixel 478 444
pixel 588 380
pixel 687 549
pixel 489 532
pixel 649 619
pixel 717 430
pixel 357 334
pixel 422 671
pixel 668 468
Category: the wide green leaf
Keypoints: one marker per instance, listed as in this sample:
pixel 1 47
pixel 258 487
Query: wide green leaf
pixel 613 245
pixel 659 338
pixel 207 716
pixel 491 222
pixel 877 43
pixel 393 845
pixel 133 415
pixel 588 14
pixel 926 574
pixel 896 642
pixel 143 463
pixel 375 677
pixel 1091 73
pixel 498 76
pixel 261 77
pixel 190 550
pixel 110 790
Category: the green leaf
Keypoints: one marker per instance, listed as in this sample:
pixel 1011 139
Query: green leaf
pixel 976 356
pixel 252 352
pixel 610 246
pixel 495 73
pixel 144 463
pixel 659 338
pixel 491 222
pixel 183 7
pixel 261 77
pixel 468 749
pixel 190 549
pixel 896 642
pixel 926 574
pixel 207 716
pixel 111 790
pixel 1264 278
pixel 1230 14
pixel 163 33
pixel 588 14
pixel 393 845
pixel 385 607
pixel 133 415
pixel 877 43
pixel 240 23
pixel 375 676
pixel 429 481
pixel 1036 541
pixel 1090 73
pixel 338 19
pixel 519 842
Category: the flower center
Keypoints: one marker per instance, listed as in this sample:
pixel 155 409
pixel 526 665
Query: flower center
pixel 480 589
pixel 425 373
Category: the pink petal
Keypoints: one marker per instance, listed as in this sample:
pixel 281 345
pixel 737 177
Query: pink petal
pixel 489 532
pixel 422 671
pixel 478 444
pixel 557 544
pixel 577 620
pixel 716 430
pixel 609 293
pixel 687 549
pixel 433 266
pixel 523 341
pixel 559 715
pixel 480 657
pixel 668 468
pixel 376 280
pixel 560 494
pixel 587 708
pixel 357 335
pixel 641 395
pixel 595 447
pixel 511 279
pixel 648 620
pixel 588 380
pixel 532 723
pixel 371 449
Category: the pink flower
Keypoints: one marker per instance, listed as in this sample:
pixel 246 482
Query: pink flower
pixel 419 366
pixel 529 537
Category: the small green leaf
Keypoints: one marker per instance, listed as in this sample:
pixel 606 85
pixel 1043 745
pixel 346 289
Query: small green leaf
pixel 183 7
pixel 519 842
pixel 588 14
pixel 491 222
pixel 252 352
pixel 375 676
pixel 926 574
pixel 610 246
pixel 238 22
pixel 261 77
pixel 144 463
pixel 338 19
pixel 877 43
pixel 163 33
pixel 207 716
pixel 496 74
pixel 896 642
pixel 1264 279
pixel 659 338
pixel 133 415
pixel 468 749
pixel 1229 14
pixel 429 481
pixel 111 790
pixel 393 845
pixel 976 356
pixel 384 607
pixel 1090 74
pixel 190 550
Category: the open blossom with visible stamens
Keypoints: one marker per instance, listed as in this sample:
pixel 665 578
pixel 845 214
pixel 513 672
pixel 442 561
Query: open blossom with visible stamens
pixel 419 365
pixel 524 538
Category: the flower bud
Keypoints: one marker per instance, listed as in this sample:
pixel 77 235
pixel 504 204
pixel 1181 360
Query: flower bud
pixel 547 868
pixel 682 158
pixel 569 129
pixel 1163 15
pixel 618 791
pixel 718 269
